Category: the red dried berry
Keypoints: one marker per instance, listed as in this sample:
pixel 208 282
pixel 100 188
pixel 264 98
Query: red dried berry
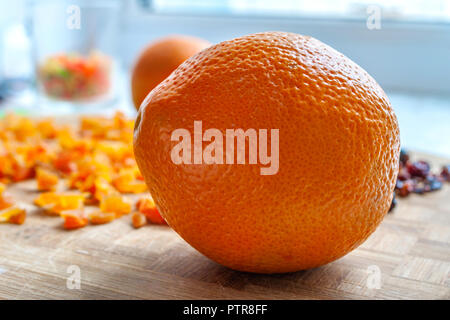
pixel 419 169
pixel 416 177
pixel 403 174
pixel 445 173
pixel 405 188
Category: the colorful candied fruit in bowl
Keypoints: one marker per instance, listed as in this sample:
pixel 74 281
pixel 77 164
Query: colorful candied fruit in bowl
pixel 74 77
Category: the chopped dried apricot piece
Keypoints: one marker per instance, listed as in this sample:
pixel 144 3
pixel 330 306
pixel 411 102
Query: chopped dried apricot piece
pixel 147 206
pixel 46 180
pixel 21 127
pixel 138 219
pixel 5 202
pixel 124 177
pixel 65 162
pixel 134 187
pixel 45 198
pixel 56 203
pixel 22 173
pixel 64 203
pixel 126 182
pixel 46 128
pixel 102 188
pixel 117 151
pixel 19 217
pixel 74 219
pixel 115 203
pixel 100 217
pixel 13 214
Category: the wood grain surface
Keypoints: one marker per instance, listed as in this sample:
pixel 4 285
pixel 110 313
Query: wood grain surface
pixel 411 249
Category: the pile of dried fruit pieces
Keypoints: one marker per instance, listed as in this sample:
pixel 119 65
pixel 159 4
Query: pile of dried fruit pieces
pixel 91 163
pixel 416 177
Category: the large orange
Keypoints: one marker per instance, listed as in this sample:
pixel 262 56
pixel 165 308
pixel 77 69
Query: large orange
pixel 158 60
pixel 338 153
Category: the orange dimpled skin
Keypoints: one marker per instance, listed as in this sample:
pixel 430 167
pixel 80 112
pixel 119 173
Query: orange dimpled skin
pixel 338 153
pixel 158 60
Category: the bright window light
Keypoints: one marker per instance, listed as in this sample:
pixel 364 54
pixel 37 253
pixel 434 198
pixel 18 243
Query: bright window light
pixel 412 10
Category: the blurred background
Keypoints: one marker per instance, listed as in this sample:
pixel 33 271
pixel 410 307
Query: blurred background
pixel 404 45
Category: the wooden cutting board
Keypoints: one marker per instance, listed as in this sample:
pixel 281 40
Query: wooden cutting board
pixel 410 250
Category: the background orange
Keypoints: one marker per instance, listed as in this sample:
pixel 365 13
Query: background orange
pixel 158 60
